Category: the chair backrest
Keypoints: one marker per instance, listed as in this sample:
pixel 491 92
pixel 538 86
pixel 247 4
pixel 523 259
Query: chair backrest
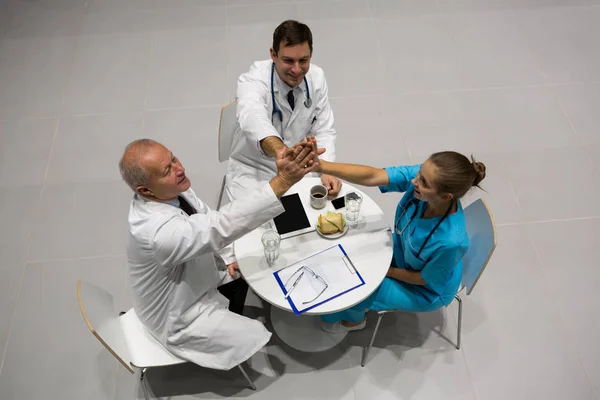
pixel 97 309
pixel 482 237
pixel 227 127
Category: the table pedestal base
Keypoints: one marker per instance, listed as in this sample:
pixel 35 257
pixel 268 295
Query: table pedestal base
pixel 303 332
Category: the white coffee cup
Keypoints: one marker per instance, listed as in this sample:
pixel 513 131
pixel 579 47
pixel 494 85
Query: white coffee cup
pixel 318 196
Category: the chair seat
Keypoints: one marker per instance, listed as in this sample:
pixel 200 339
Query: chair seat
pixel 145 351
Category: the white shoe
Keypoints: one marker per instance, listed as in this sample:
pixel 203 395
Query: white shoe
pixel 337 327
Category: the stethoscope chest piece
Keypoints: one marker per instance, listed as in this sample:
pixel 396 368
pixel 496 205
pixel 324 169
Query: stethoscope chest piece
pixel 308 103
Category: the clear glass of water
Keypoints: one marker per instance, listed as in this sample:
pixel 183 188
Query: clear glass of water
pixel 271 240
pixel 353 202
pixel 267 225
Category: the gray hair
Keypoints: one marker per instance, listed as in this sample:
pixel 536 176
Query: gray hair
pixel 130 166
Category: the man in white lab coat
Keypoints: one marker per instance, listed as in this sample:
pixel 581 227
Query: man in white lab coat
pixel 172 253
pixel 280 102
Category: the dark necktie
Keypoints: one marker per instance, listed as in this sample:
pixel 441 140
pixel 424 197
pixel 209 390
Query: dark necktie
pixel 185 206
pixel 291 99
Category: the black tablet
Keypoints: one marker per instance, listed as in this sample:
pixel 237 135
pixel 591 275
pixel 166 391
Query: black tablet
pixel 294 220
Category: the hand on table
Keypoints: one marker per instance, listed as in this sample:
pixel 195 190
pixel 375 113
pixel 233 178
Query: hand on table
pixel 332 184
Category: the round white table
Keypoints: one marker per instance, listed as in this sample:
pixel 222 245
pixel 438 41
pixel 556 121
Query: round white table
pixel 368 243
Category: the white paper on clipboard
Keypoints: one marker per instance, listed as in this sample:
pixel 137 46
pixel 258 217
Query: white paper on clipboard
pixel 333 265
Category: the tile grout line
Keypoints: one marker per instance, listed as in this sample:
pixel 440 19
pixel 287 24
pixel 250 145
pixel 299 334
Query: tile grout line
pixel 149 70
pixel 100 114
pixel 355 96
pixel 564 111
pixel 381 86
pixel 514 193
pixel 575 133
pixel 557 306
pixel 405 140
pixel 370 95
pixel 131 112
pixel 368 3
pixel 547 221
pixel 512 188
pixel 71 73
pixel 464 355
pixel 184 108
pixel 227 48
pixel 76 258
pixel 29 118
pixel 353 387
pixel 489 88
pixel 63 105
pixel 271 4
pixel 31 234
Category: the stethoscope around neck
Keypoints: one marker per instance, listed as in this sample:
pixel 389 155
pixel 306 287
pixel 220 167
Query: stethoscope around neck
pixel 416 202
pixel 276 110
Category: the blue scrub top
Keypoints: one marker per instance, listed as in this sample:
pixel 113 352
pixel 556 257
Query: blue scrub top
pixel 440 260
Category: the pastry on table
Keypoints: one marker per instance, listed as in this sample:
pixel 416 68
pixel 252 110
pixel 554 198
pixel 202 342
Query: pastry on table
pixel 331 223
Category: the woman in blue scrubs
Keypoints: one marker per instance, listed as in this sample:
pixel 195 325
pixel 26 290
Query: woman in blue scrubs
pixel 429 235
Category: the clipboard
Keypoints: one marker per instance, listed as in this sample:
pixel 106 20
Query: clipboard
pixel 332 265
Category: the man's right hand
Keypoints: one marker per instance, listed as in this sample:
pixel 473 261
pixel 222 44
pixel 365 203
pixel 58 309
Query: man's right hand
pixel 292 165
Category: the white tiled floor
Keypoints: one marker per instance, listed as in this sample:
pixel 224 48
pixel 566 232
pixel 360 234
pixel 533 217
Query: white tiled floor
pixel 517 82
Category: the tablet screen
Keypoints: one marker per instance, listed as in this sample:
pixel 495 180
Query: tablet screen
pixel 294 218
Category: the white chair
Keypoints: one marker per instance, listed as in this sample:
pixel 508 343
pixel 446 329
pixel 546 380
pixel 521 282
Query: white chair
pixel 227 126
pixel 482 237
pixel 124 336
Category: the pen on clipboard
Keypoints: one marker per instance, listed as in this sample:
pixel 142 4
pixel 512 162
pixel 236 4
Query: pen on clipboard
pixel 294 285
pixel 349 265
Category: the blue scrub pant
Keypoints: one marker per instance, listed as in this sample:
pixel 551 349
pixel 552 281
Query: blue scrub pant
pixel 390 295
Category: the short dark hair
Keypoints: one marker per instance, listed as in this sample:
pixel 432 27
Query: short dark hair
pixel 292 33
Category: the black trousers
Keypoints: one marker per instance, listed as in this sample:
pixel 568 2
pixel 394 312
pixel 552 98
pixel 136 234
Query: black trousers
pixel 236 292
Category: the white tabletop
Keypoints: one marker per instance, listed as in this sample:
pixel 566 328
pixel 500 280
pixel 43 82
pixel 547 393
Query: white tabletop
pixel 368 244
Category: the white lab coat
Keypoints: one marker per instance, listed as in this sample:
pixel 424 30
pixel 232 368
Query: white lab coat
pixel 248 165
pixel 174 277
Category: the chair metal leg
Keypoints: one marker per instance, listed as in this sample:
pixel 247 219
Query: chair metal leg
pixel 368 348
pixel 221 194
pixel 143 384
pixel 459 329
pixel 247 377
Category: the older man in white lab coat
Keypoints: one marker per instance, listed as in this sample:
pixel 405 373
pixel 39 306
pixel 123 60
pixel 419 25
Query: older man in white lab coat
pixel 172 253
pixel 280 102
